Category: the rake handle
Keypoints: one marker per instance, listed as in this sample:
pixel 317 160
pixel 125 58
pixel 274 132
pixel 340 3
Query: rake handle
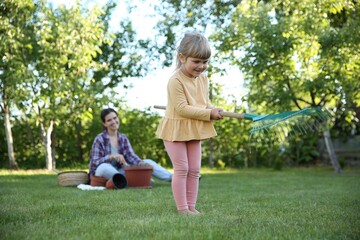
pixel 225 114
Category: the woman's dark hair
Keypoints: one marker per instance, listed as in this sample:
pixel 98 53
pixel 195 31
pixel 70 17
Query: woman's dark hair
pixel 105 112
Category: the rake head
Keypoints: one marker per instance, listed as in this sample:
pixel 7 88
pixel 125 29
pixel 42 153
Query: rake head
pixel 286 123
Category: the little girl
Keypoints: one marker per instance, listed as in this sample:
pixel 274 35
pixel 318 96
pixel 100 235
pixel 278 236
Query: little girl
pixel 187 119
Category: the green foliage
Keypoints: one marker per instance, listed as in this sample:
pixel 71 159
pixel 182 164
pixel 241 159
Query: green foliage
pixel 230 146
pixel 65 65
pixel 295 54
pixel 56 71
pixel 122 57
pixel 302 150
pixel 28 145
pixel 15 48
pixel 310 203
pixel 177 17
pixel 67 40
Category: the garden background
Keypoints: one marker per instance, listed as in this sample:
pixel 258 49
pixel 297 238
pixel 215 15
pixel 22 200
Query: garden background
pixel 61 64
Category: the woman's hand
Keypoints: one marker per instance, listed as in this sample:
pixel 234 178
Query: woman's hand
pixel 216 114
pixel 118 158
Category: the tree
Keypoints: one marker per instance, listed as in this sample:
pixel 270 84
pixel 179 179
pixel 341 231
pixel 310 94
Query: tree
pixel 293 54
pixel 73 63
pixel 121 56
pixel 308 44
pixel 66 43
pixel 297 54
pixel 16 30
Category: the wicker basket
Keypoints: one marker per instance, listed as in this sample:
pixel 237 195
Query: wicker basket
pixel 73 178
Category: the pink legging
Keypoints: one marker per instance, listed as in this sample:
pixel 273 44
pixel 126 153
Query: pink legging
pixel 186 160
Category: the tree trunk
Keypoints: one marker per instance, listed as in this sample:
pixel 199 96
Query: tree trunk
pixel 46 136
pixel 331 151
pixel 10 144
pixel 53 146
pixel 246 159
pixel 79 140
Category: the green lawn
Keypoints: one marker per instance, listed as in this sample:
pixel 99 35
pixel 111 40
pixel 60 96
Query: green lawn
pixel 305 203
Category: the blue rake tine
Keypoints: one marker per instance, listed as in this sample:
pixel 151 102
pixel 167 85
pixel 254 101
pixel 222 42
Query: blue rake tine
pixel 298 127
pixel 284 132
pixel 312 125
pixel 288 126
pixel 295 128
pixel 302 127
pixel 270 137
pixel 323 115
pixel 268 134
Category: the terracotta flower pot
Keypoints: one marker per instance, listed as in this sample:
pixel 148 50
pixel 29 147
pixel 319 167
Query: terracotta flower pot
pixel 139 176
pixel 118 181
pixel 96 181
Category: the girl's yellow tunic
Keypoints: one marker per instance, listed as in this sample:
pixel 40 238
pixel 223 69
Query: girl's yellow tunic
pixel 187 115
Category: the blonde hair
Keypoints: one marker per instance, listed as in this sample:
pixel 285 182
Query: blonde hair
pixel 193 45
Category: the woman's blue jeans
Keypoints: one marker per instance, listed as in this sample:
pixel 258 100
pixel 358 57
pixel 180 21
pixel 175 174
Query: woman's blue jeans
pixel 107 170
